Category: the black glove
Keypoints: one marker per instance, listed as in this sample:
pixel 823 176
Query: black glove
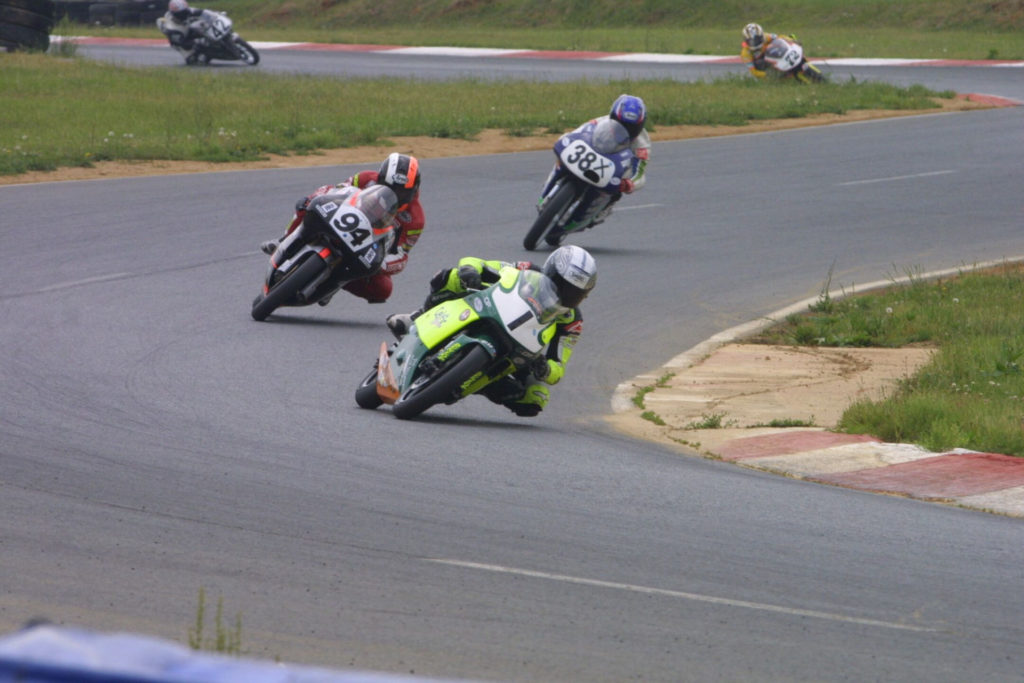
pixel 540 368
pixel 469 277
pixel 302 204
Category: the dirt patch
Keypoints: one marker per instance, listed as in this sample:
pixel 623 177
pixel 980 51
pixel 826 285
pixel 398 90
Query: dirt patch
pixel 488 142
pixel 744 389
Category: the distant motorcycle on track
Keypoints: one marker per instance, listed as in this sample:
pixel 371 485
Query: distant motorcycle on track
pixel 217 39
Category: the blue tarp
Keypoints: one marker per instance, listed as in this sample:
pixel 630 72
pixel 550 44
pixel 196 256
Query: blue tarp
pixel 52 654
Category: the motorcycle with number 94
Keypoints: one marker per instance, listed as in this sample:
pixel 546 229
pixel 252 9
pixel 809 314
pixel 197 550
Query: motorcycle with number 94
pixel 344 236
pixel 591 163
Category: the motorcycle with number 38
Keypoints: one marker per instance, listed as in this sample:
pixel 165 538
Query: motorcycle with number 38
pixel 592 162
pixel 344 236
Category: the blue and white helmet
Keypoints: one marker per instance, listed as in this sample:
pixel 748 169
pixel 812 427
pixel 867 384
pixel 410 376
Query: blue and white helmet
pixel 631 112
pixel 179 9
pixel 574 272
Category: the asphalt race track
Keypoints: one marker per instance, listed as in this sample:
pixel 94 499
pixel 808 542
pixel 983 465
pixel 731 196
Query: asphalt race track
pixel 154 440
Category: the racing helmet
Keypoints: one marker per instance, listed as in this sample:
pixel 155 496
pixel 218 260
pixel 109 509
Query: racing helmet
pixel 401 173
pixel 573 271
pixel 179 9
pixel 753 36
pixel 379 204
pixel 631 112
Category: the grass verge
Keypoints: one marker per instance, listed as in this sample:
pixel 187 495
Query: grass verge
pixel 62 112
pixel 971 394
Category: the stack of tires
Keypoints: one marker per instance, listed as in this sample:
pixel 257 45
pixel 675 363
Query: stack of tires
pixel 26 24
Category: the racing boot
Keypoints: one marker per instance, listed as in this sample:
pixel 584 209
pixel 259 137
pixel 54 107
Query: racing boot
pixel 269 247
pixel 401 323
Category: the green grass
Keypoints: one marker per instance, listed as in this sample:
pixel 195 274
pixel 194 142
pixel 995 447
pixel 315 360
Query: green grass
pixel 74 112
pixel 224 639
pixel 971 394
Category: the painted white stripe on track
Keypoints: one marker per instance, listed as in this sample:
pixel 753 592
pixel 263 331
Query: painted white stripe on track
pixel 638 206
pixel 763 607
pixel 86 281
pixel 896 177
pixel 453 51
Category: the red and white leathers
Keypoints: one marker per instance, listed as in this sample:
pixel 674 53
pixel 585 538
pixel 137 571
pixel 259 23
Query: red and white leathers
pixel 409 222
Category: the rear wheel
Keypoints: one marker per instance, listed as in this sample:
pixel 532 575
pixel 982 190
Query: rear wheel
pixel 286 290
pixel 430 390
pixel 366 394
pixel 549 216
pixel 811 73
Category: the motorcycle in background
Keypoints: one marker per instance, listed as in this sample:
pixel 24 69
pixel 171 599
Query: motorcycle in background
pixel 344 236
pixel 461 346
pixel 591 164
pixel 217 39
pixel 787 57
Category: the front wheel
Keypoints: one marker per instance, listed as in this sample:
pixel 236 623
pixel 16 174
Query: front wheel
pixel 427 391
pixel 286 289
pixel 366 393
pixel 549 216
pixel 246 52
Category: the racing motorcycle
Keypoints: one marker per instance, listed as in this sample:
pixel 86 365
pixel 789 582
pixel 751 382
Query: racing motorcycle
pixel 787 57
pixel 461 346
pixel 591 164
pixel 344 236
pixel 217 39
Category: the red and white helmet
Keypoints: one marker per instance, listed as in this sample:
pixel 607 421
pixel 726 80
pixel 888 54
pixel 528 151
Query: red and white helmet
pixel 401 173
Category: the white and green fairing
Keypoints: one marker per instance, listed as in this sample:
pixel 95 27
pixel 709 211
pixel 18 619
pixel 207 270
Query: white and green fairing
pixel 524 305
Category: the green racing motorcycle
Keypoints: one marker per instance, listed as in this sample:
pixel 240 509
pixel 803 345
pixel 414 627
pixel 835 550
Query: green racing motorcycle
pixel 461 346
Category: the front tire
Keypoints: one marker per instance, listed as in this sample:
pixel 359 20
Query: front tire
pixel 428 391
pixel 366 394
pixel 246 52
pixel 286 290
pixel 550 214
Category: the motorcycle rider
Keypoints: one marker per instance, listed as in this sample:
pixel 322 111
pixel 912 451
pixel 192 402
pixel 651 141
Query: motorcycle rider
pixel 631 112
pixel 401 173
pixel 752 52
pixel 178 26
pixel 574 273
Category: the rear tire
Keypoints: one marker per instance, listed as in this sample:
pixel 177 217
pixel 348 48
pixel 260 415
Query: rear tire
pixel 550 214
pixel 366 394
pixel 426 392
pixel 285 290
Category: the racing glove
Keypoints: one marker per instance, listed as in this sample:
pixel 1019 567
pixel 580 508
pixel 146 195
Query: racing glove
pixel 469 277
pixel 626 186
pixel 395 263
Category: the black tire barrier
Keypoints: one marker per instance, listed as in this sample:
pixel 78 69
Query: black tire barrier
pixel 23 17
pixel 76 10
pixel 15 37
pixel 125 13
pixel 102 13
pixel 46 8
